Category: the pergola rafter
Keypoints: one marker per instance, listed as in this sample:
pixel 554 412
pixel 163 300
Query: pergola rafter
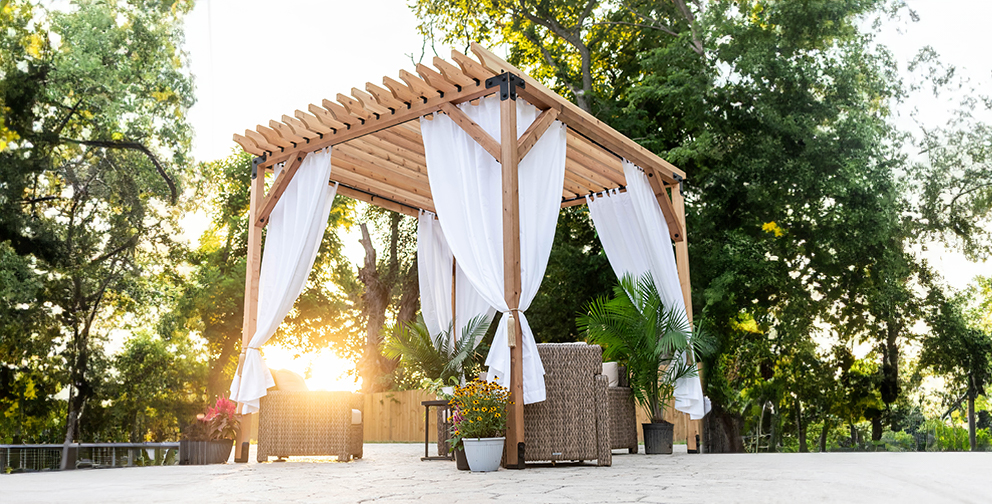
pixel 379 158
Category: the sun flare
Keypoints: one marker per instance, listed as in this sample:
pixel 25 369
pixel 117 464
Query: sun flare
pixel 322 370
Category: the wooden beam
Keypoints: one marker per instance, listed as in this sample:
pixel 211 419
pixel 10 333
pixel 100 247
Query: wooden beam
pixel 261 141
pixel 453 73
pixel 378 201
pixel 534 132
pixel 273 137
pixel 354 107
pixel 341 114
pixel 369 103
pixel 249 145
pixel 250 318
pixel 473 129
pixel 682 265
pixel 511 277
pixel 377 124
pixel 436 80
pixel 418 86
pixel 385 97
pixel 382 171
pixel 326 118
pixel 472 68
pixel 580 120
pixel 388 153
pixel 674 227
pixel 278 188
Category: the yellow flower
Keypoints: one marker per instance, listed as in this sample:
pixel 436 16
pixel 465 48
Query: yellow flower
pixel 772 227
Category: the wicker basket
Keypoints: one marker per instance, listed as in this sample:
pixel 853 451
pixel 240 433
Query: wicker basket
pixel 309 423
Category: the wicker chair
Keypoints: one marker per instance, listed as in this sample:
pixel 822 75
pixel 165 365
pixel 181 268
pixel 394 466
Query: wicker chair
pixel 308 424
pixel 573 422
pixel 623 415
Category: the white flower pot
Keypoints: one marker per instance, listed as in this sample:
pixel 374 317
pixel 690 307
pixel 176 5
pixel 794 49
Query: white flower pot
pixel 484 454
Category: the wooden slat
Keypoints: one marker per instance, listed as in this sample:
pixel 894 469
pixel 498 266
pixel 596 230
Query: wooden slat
pixel 300 128
pixel 453 73
pixel 261 141
pixel 357 175
pixel 411 178
pixel 354 107
pixel 377 169
pixel 368 102
pixel 436 80
pixel 392 136
pixel 472 68
pixel 579 164
pixel 385 97
pixel 249 145
pixel 341 114
pixel 377 201
pixel 390 154
pixel 535 130
pixel 418 86
pixel 401 91
pixel 273 137
pixel 312 123
pixel 252 274
pixel 278 187
pixel 372 126
pixel 326 118
pixel 287 132
pixel 415 155
pixel 473 130
pixel 581 120
pixel 595 159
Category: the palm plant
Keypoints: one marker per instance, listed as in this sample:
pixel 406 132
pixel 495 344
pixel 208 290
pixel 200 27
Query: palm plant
pixel 652 341
pixel 437 357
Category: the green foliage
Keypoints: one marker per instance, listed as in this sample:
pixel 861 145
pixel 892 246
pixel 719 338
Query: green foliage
pixel 479 411
pixel 437 357
pixel 654 342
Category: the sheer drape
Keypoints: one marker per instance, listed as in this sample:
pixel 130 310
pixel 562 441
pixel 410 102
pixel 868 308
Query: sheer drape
pixel 434 270
pixel 296 228
pixel 466 185
pixel 635 237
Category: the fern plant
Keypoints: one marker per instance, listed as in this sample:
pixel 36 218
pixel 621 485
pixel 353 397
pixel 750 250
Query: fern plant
pixel 437 357
pixel 636 329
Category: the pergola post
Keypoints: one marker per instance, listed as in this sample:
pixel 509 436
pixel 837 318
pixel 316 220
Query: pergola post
pixel 682 262
pixel 511 275
pixel 254 268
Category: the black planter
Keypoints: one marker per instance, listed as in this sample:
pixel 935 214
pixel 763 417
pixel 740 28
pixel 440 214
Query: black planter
pixel 460 461
pixel 658 438
pixel 205 452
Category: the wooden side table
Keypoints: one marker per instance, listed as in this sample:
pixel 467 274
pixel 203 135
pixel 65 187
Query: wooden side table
pixel 441 405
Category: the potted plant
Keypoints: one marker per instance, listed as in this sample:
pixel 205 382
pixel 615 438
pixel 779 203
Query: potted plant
pixel 652 341
pixel 210 439
pixel 480 423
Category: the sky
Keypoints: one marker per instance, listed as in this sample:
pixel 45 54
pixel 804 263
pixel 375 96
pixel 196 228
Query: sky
pixel 256 60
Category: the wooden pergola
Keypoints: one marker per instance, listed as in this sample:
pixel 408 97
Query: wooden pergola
pixel 379 158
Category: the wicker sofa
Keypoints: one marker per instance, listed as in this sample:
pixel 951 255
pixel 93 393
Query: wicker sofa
pixel 309 423
pixel 573 422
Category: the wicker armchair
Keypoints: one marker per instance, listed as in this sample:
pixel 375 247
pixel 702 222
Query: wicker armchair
pixel 623 415
pixel 309 423
pixel 573 422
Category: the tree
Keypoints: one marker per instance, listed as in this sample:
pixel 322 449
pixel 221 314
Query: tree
pixel 958 349
pixel 94 96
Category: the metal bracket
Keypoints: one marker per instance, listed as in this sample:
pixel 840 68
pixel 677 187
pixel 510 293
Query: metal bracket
pixel 508 84
pixel 254 166
pixel 680 180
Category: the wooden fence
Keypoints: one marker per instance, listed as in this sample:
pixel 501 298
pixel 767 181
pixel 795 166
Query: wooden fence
pixel 397 416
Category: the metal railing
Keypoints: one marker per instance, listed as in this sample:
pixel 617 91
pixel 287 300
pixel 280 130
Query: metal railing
pixel 48 457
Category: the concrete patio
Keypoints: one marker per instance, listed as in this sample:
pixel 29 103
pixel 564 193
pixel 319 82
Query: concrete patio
pixel 394 473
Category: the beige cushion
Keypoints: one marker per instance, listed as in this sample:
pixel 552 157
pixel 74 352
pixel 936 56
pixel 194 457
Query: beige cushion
pixel 288 381
pixel 356 417
pixel 611 372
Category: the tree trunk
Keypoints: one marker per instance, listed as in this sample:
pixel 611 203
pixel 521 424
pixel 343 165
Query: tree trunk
pixel 971 422
pixel 722 431
pixel 410 299
pixel 801 428
pixel 375 299
pixel 876 427
pixel 823 435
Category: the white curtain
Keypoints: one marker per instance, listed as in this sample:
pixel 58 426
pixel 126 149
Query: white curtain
pixel 466 185
pixel 296 228
pixel 635 237
pixel 434 270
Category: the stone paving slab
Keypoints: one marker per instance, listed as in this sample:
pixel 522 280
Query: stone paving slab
pixel 394 473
